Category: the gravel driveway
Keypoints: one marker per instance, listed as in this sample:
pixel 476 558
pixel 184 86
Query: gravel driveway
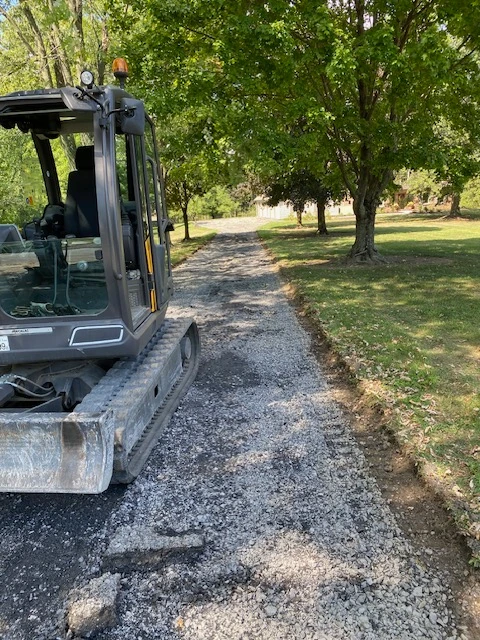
pixel 259 461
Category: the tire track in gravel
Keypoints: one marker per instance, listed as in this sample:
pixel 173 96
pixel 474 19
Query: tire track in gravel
pixel 260 460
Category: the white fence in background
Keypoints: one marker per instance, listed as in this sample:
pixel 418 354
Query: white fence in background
pixel 285 210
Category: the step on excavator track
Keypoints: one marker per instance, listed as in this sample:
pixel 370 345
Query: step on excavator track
pixel 110 434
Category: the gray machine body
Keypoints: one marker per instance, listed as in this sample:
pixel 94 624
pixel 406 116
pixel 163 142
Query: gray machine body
pixel 90 369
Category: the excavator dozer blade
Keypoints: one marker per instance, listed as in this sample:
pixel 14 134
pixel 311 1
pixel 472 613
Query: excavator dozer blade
pixel 48 453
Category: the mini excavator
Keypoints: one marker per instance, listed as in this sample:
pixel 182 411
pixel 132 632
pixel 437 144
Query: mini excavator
pixel 91 369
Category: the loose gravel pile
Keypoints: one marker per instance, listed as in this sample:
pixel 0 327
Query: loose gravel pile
pixel 259 460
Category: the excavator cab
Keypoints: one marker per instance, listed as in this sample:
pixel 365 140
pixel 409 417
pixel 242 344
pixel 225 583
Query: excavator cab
pixel 93 277
pixel 90 369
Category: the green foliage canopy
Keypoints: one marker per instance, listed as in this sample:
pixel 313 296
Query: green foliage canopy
pixel 363 83
pixel 45 44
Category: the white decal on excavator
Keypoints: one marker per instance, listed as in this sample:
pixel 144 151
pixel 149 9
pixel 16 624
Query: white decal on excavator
pixel 25 330
pixel 4 343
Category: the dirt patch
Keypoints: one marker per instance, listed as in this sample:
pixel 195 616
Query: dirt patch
pixel 420 512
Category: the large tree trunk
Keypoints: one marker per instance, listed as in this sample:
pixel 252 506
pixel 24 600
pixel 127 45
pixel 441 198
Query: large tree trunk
pixel 298 213
pixel 366 199
pixel 364 249
pixel 321 222
pixel 455 206
pixel 185 222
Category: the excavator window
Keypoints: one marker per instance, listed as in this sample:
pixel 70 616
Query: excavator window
pixel 131 194
pixel 58 269
pixel 160 241
pixel 140 204
pixel 52 277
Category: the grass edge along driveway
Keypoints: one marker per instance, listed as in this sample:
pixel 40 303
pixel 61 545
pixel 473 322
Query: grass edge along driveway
pixel 410 333
pixel 181 250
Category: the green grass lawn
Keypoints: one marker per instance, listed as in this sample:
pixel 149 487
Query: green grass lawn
pixel 181 250
pixel 409 329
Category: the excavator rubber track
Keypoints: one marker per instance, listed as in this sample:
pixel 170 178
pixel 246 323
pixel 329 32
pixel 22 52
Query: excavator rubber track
pixel 110 434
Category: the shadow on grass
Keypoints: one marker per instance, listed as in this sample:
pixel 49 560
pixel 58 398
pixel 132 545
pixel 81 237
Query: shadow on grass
pixel 448 248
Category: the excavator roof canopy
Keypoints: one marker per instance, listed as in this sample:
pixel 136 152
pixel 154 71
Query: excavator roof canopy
pixel 32 110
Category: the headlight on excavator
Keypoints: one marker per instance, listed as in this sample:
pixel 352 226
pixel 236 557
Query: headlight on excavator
pixel 87 78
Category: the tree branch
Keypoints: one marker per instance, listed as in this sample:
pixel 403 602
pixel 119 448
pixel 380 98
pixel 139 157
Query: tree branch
pixel 40 42
pixel 19 31
pixel 459 62
pixel 198 33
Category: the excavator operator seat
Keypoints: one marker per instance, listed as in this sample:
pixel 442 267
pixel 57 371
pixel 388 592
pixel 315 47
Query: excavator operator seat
pixel 81 213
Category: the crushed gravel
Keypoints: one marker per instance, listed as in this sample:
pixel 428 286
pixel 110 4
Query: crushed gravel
pixel 260 462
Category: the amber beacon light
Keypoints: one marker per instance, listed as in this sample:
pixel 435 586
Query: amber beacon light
pixel 120 70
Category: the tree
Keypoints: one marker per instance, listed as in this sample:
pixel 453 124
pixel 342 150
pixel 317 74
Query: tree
pixel 51 41
pixel 58 39
pixel 460 159
pixel 370 78
pixel 287 190
pixel 299 188
pixel 423 184
pixel 189 160
pixel 243 194
pixel 461 167
pixel 471 193
pixel 183 183
pixel 379 73
pixel 215 203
